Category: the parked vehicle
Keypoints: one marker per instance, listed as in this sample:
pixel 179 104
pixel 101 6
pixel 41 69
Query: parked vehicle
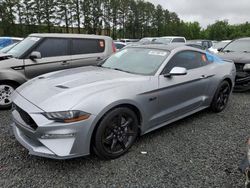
pixel 147 40
pixel 43 53
pixel 219 46
pixel 170 39
pixel 239 52
pixel 7 48
pixel 128 41
pixel 194 45
pixel 6 41
pixel 133 92
pixel 206 44
pixel 119 45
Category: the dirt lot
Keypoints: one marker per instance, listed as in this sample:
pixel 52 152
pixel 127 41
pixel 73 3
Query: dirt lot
pixel 203 150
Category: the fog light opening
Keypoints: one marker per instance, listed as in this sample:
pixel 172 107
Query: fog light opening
pixel 55 136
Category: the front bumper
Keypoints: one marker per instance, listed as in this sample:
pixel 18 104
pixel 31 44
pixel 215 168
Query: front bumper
pixel 242 83
pixel 242 80
pixel 50 139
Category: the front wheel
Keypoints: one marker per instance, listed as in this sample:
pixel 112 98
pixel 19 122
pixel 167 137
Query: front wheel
pixel 116 133
pixel 221 97
pixel 6 91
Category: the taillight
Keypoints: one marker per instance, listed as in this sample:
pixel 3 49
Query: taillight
pixel 113 46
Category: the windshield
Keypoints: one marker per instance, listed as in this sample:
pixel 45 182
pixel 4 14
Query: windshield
pixel 137 60
pixel 7 48
pixel 163 40
pixel 238 46
pixel 220 45
pixel 5 42
pixel 23 46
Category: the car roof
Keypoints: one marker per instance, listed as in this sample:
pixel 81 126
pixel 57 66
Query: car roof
pixel 172 37
pixel 199 40
pixel 117 42
pixel 244 38
pixel 168 47
pixel 64 35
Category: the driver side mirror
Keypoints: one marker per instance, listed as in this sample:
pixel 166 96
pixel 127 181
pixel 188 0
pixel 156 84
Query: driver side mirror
pixel 219 49
pixel 177 71
pixel 35 55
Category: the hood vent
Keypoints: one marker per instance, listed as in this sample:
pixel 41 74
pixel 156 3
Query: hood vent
pixel 62 87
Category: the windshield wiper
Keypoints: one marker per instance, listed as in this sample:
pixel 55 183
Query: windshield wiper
pixel 122 70
pixel 115 69
pixel 228 51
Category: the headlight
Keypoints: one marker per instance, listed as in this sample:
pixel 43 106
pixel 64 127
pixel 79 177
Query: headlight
pixel 246 67
pixel 67 116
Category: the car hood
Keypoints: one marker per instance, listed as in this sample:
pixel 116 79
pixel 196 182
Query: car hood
pixel 237 57
pixel 64 89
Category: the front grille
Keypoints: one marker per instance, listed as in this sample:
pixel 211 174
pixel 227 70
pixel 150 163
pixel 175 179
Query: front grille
pixel 239 67
pixel 26 117
pixel 240 73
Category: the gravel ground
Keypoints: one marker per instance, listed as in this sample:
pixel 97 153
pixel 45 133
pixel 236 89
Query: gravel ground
pixel 203 150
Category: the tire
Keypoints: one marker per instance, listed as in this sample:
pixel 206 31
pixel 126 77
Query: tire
pixel 221 97
pixel 116 133
pixel 6 89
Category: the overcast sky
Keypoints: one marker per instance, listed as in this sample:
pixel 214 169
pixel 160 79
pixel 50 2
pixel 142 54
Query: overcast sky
pixel 208 11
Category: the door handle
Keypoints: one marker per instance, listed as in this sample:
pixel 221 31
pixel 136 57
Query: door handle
pixel 65 63
pixel 99 59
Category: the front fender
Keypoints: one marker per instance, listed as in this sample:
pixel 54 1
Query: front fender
pixel 106 109
pixel 11 75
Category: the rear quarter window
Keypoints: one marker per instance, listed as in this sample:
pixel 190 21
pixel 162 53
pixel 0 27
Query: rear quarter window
pixel 87 46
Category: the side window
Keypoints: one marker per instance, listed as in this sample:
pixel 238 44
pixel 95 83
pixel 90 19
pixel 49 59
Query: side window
pixel 178 40
pixel 186 59
pixel 87 46
pixel 52 47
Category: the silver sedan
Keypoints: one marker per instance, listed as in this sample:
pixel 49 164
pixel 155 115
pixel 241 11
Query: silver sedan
pixel 69 113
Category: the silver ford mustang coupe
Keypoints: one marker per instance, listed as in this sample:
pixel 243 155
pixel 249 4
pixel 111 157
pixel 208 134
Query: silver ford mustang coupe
pixel 103 109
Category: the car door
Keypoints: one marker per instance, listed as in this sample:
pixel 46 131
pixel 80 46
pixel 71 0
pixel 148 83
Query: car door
pixel 54 56
pixel 179 95
pixel 86 52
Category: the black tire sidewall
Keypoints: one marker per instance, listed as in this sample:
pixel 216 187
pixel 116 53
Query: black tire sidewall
pixel 98 146
pixel 214 102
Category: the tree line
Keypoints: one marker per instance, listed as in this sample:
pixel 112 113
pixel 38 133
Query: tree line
pixel 115 18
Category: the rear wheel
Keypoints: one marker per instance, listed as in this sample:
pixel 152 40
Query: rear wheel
pixel 221 97
pixel 116 133
pixel 6 91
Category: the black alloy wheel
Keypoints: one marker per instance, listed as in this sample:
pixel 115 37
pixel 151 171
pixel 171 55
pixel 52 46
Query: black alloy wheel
pixel 116 133
pixel 221 97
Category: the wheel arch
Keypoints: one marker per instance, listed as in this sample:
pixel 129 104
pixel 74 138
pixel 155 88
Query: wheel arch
pixel 229 81
pixel 12 77
pixel 131 106
pixel 12 82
